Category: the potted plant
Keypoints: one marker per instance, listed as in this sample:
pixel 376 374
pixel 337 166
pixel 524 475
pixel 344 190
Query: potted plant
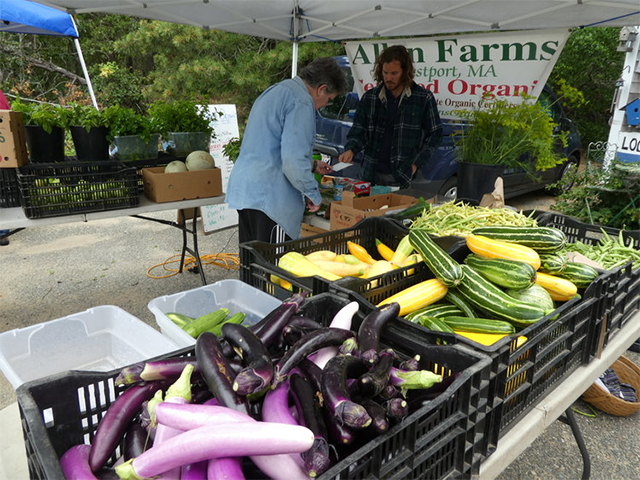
pixel 45 125
pixel 135 135
pixel 501 135
pixel 90 133
pixel 184 125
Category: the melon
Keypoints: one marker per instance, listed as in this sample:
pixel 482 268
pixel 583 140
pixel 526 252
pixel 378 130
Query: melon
pixel 199 160
pixel 175 166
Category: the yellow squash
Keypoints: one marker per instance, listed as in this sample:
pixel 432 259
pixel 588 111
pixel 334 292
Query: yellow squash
pixel 490 248
pixel 417 296
pixel 560 289
pixel 360 252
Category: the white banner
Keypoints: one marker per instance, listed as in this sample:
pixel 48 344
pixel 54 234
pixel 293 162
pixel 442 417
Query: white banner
pixel 460 69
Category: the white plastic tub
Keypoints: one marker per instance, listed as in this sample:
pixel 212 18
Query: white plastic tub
pixel 233 294
pixel 99 339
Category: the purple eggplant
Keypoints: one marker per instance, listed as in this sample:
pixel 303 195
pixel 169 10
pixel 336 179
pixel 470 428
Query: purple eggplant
pixel 259 369
pixel 411 364
pixel 378 414
pixel 136 440
pixel 292 333
pixel 311 372
pixel 349 347
pixel 371 327
pixel 217 373
pixel 308 344
pixel 375 380
pixel 75 463
pixel 275 406
pixel 306 323
pixel 270 327
pixel 397 408
pixel 117 419
pixel 389 392
pixel 336 395
pixel 317 459
pixel 225 468
pixel 194 471
pixel 168 369
pixel 339 433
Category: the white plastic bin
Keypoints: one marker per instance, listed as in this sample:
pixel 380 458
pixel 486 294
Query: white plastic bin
pixel 99 339
pixel 233 294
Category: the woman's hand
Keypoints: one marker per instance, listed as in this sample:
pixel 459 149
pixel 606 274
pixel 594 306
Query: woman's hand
pixel 311 207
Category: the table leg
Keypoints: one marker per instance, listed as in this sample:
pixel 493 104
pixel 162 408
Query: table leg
pixel 569 419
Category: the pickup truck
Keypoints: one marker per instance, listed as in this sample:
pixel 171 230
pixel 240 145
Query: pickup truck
pixel 438 176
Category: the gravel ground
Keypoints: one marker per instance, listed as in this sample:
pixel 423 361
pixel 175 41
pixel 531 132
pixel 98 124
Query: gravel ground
pixel 55 271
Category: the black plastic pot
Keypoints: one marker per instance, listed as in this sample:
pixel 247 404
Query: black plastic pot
pixel 475 180
pixel 45 147
pixel 91 145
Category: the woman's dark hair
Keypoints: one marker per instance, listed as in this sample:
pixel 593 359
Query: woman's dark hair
pixel 393 53
pixel 325 71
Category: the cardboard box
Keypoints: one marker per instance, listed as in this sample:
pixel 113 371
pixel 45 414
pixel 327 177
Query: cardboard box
pixel 351 209
pixel 307 230
pixel 13 146
pixel 359 187
pixel 163 187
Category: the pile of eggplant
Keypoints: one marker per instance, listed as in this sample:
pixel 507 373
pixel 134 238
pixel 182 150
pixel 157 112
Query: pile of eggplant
pixel 293 393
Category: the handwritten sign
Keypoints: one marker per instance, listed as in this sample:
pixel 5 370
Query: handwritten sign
pixel 225 128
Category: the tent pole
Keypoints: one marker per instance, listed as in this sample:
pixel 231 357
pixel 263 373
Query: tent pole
pixel 294 59
pixel 86 74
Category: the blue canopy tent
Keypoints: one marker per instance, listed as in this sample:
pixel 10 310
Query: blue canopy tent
pixel 23 16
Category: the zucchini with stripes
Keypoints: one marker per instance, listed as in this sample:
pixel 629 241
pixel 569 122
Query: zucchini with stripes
pixel 436 324
pixel 441 264
pixel 503 272
pixel 459 301
pixel 479 325
pixel 579 273
pixel 437 310
pixel 490 299
pixel 552 263
pixel 541 239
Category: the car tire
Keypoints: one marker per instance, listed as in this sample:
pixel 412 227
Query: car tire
pixel 569 168
pixel 448 190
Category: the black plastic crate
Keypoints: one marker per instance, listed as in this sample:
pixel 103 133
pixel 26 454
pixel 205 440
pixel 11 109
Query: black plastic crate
pixel 258 260
pixel 9 189
pixel 437 440
pixel 55 189
pixel 619 297
pixel 554 347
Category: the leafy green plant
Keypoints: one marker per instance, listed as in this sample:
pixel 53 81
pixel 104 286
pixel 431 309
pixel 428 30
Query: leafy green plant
pixel 45 115
pixel 609 197
pixel 124 121
pixel 87 116
pixel 501 133
pixel 181 116
pixel 232 149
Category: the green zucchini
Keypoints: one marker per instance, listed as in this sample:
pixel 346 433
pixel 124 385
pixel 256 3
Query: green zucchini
pixel 179 319
pixel 435 324
pixel 459 301
pixel 412 211
pixel 490 299
pixel 206 322
pixel 552 263
pixel 443 267
pixel 580 274
pixel 434 310
pixel 541 239
pixel 503 272
pixel 235 318
pixel 479 325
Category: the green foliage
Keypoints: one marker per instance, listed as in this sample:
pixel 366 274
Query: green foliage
pixel 124 121
pixel 181 116
pixel 501 133
pixel 45 115
pixel 232 149
pixel 591 65
pixel 602 197
pixel 87 116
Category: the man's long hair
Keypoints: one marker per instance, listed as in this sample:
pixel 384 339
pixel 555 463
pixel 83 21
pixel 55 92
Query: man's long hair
pixel 393 53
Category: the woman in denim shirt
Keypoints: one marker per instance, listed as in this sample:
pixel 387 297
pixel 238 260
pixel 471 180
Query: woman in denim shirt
pixel 272 179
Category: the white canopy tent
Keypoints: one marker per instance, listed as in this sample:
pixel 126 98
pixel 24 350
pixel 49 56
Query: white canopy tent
pixel 322 20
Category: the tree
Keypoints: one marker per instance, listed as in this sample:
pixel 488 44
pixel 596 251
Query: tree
pixel 575 68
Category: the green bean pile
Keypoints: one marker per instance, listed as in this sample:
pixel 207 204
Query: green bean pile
pixel 459 219
pixel 610 252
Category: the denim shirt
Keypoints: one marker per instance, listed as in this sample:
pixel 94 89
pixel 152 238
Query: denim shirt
pixel 273 170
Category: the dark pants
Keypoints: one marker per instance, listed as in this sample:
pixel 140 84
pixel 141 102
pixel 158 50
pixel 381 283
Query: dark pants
pixel 256 225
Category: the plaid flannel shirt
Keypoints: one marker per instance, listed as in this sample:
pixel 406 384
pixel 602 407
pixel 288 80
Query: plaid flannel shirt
pixel 416 134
